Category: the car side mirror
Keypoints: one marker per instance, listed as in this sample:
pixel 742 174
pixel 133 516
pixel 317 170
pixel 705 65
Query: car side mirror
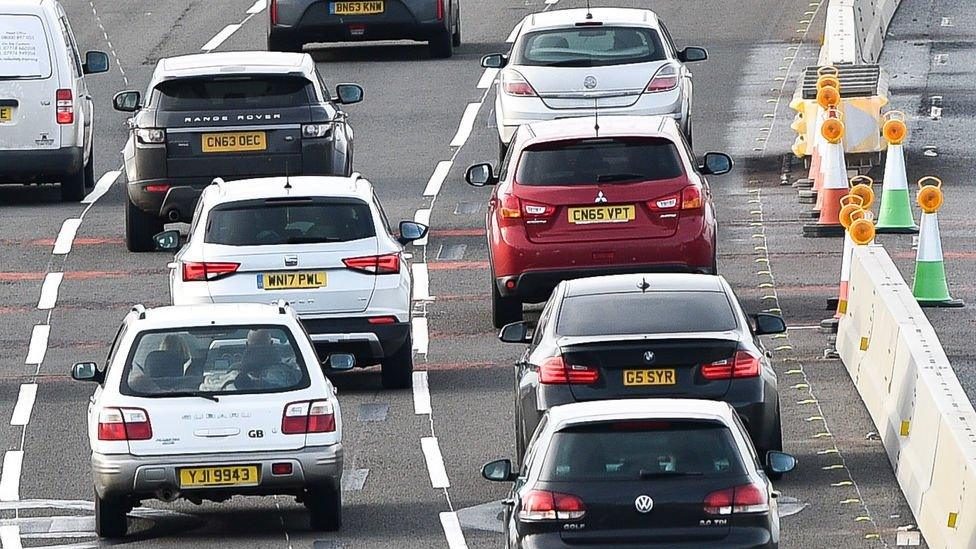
pixel 715 163
pixel 411 230
pixel 516 332
pixel 780 462
pixel 167 240
pixel 494 61
pixel 342 362
pixel 95 62
pixel 499 470
pixel 86 371
pixel 347 94
pixel 480 175
pixel 768 324
pixel 692 55
pixel 127 101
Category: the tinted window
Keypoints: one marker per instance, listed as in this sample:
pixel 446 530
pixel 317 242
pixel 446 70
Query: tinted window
pixel 599 160
pixel 647 313
pixel 24 51
pixel 590 47
pixel 632 450
pixel 220 360
pixel 263 92
pixel 274 223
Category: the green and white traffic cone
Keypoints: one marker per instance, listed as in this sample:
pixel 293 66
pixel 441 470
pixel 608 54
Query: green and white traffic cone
pixel 896 209
pixel 930 287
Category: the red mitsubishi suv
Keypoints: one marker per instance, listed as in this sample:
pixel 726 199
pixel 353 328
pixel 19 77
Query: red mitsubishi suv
pixel 582 197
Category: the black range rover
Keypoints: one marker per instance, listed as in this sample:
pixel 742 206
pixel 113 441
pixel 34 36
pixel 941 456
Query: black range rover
pixel 230 115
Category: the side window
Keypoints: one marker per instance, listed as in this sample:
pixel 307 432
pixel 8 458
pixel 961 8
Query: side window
pixel 379 208
pixel 668 41
pixel 69 40
pixel 543 321
pixel 532 448
pixel 197 214
pixel 326 95
pixel 507 161
pixel 115 346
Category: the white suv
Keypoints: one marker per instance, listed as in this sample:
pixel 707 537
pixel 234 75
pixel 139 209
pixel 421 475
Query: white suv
pixel 323 244
pixel 46 113
pixel 208 402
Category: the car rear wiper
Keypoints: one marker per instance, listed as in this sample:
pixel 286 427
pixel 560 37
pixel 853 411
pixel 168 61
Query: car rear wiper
pixel 608 177
pixel 200 394
pixel 312 239
pixel 645 474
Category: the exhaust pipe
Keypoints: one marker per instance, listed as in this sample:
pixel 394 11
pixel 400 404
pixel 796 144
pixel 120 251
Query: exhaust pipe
pixel 173 215
pixel 168 494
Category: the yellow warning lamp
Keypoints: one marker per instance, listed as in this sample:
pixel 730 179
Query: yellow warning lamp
pixel 861 185
pixel 828 97
pixel 894 128
pixel 930 194
pixel 862 227
pixel 849 203
pixel 832 130
pixel 828 77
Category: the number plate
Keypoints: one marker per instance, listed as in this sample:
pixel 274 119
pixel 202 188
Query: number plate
pixel 657 376
pixel 355 8
pixel 602 214
pixel 6 114
pixel 234 475
pixel 234 142
pixel 292 281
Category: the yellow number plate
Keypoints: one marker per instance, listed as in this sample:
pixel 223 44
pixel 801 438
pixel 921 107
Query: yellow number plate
pixel 602 214
pixel 6 114
pixel 236 475
pixel 659 376
pixel 234 142
pixel 292 281
pixel 355 8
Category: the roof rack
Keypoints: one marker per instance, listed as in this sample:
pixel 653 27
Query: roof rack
pixel 140 310
pixel 282 306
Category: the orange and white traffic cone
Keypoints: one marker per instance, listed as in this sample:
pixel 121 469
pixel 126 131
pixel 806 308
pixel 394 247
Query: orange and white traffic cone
pixel 859 231
pixel 828 97
pixel 835 184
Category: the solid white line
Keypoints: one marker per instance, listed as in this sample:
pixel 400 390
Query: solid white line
pixel 421 340
pixel 467 124
pixel 49 291
pixel 10 536
pixel 435 462
pixel 437 178
pixel 25 404
pixel 514 34
pixel 487 78
pixel 217 40
pixel 104 184
pixel 258 7
pixel 421 282
pixel 66 236
pixel 452 529
pixel 550 2
pixel 10 476
pixel 421 393
pixel 422 216
pixel 38 344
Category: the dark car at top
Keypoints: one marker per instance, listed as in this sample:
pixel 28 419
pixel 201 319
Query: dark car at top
pixel 647 336
pixel 235 115
pixel 294 23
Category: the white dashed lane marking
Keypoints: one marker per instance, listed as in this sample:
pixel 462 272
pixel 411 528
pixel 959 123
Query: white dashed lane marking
pixel 66 236
pixel 487 78
pixel 452 530
pixel 102 187
pixel 466 125
pixel 220 37
pixel 38 344
pixel 258 7
pixel 421 393
pixel 25 404
pixel 437 178
pixel 49 291
pixel 421 282
pixel 421 340
pixel 435 463
pixel 10 475
pixel 10 536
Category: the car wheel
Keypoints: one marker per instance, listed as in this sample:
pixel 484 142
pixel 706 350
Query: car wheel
pixel 774 443
pixel 324 504
pixel 110 519
pixel 504 310
pixel 397 369
pixel 456 37
pixel 73 186
pixel 140 228
pixel 277 43
pixel 519 440
pixel 502 151
pixel 442 45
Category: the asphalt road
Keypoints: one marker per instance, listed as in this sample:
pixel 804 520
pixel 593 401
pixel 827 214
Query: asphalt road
pixel 843 493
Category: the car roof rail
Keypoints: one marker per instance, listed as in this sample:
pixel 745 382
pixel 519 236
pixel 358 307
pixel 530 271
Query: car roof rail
pixel 218 181
pixel 140 310
pixel 283 306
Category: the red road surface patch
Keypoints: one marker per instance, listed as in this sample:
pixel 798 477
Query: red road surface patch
pixel 457 265
pixel 457 232
pixel 75 275
pixel 454 366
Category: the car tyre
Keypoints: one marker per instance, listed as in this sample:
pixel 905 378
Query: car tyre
pixel 397 369
pixel 74 184
pixel 774 443
pixel 324 504
pixel 456 37
pixel 140 228
pixel 110 518
pixel 277 43
pixel 442 45
pixel 504 310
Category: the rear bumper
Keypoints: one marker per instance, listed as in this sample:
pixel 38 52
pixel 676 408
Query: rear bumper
pixel 370 343
pixel 537 285
pixel 738 538
pixel 397 22
pixel 29 166
pixel 125 475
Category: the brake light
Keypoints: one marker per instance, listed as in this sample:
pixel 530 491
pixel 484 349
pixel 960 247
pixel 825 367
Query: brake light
pixel 670 202
pixel 197 271
pixel 440 10
pixel 160 188
pixel 374 264
pixel 65 106
pixel 516 85
pixel 541 505
pixel 554 371
pixel 124 424
pixel 509 207
pixel 273 10
pixel 748 498
pixel 743 364
pixel 691 197
pixel 533 209
pixel 315 416
pixel 665 79
pixel 382 320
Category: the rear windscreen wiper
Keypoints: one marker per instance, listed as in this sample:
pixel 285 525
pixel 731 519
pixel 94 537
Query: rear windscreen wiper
pixel 200 394
pixel 608 177
pixel 311 239
pixel 645 474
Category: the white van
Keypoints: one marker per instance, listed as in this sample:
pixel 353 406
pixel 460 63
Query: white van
pixel 46 112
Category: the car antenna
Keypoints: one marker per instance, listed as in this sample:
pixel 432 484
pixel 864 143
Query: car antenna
pixel 644 286
pixel 287 181
pixel 596 117
pixel 589 15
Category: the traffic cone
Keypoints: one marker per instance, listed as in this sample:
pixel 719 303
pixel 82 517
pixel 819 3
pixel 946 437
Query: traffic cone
pixel 860 231
pixel 828 97
pixel 930 287
pixel 834 181
pixel 895 215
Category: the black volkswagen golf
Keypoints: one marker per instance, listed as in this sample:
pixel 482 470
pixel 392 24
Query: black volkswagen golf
pixel 647 335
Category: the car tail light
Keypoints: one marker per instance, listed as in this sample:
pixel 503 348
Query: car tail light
pixel 160 188
pixel 691 197
pixel 124 424
pixel 509 206
pixel 382 320
pixel 541 505
pixel 516 85
pixel 534 209
pixel 665 79
pixel 554 371
pixel 273 10
pixel 748 498
pixel 440 10
pixel 197 271
pixel 281 469
pixel 315 416
pixel 374 264
pixel 743 364
pixel 665 203
pixel 65 107
pixel 151 136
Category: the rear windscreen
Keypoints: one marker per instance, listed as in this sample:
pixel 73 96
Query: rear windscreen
pixel 296 222
pixel 262 92
pixel 633 450
pixel 590 47
pixel 599 161
pixel 23 48
pixel 645 313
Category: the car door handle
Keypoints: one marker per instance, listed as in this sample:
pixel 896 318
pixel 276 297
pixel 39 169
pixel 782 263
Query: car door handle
pixel 776 494
pixel 508 502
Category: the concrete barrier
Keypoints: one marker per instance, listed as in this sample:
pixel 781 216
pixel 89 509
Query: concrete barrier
pixel 924 418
